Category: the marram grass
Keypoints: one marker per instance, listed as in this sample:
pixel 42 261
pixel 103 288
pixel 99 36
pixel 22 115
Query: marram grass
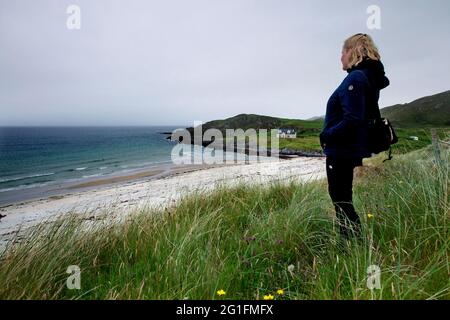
pixel 269 242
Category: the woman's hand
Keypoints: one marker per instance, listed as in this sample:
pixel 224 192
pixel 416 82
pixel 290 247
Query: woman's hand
pixel 322 140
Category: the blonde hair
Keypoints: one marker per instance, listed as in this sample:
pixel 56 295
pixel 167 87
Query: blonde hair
pixel 361 46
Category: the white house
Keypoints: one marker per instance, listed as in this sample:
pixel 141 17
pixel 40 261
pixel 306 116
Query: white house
pixel 286 133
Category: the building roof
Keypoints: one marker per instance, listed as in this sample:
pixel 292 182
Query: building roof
pixel 287 130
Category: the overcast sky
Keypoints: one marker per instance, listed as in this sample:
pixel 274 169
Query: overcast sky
pixel 173 62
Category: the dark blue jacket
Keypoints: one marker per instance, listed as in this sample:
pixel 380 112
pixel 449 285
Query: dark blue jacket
pixel 344 133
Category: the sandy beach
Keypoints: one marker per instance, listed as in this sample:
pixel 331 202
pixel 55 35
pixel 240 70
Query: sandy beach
pixel 156 188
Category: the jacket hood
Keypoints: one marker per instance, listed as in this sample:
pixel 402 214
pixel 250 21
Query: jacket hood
pixel 376 72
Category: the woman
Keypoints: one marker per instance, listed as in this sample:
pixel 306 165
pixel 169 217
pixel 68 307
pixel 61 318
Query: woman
pixel 344 136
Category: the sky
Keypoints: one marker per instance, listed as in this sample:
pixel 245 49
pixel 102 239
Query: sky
pixel 175 62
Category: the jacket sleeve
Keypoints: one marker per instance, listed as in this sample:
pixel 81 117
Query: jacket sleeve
pixel 352 100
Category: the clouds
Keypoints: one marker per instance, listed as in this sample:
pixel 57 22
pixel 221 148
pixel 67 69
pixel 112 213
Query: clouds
pixel 173 62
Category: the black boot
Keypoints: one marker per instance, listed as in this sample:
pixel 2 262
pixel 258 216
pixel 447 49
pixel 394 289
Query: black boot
pixel 349 222
pixel 350 230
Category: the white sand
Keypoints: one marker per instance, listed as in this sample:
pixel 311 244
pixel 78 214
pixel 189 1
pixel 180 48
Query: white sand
pixel 160 193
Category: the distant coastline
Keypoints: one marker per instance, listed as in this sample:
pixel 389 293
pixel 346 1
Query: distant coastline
pixel 305 128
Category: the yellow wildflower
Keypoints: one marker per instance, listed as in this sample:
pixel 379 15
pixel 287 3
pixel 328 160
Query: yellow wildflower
pixel 370 216
pixel 221 292
pixel 268 297
pixel 280 292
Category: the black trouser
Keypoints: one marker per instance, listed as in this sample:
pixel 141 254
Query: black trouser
pixel 340 180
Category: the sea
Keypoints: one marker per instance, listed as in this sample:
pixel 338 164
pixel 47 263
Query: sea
pixel 39 156
pixel 39 161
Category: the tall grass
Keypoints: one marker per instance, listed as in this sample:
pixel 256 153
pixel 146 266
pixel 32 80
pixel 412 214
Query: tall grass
pixel 251 241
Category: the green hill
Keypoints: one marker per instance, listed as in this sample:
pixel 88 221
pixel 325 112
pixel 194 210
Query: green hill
pixel 427 111
pixel 253 121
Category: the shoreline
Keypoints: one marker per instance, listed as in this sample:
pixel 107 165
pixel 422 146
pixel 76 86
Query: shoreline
pixel 63 188
pixel 157 190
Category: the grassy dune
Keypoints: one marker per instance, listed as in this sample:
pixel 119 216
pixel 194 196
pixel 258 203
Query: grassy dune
pixel 252 241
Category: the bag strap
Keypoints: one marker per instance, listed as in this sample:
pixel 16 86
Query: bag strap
pixel 375 108
pixel 377 114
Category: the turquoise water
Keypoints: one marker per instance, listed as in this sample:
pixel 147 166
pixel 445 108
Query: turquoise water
pixel 39 156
